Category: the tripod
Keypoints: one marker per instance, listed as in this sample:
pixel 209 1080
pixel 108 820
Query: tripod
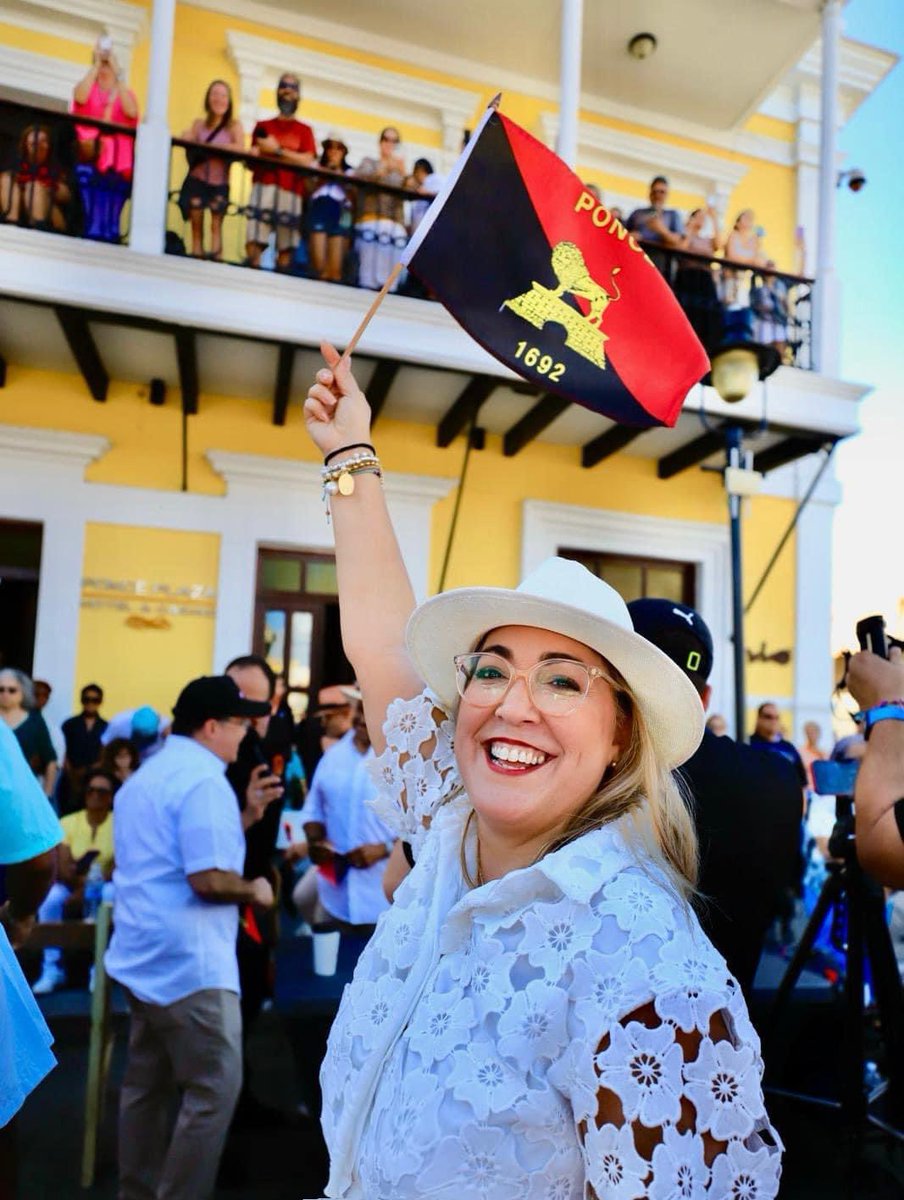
pixel 862 900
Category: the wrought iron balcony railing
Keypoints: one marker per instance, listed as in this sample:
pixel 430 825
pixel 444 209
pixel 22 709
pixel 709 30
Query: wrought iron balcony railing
pixel 71 175
pixel 63 173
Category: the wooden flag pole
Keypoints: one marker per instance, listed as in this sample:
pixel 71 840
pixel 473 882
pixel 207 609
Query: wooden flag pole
pixel 366 319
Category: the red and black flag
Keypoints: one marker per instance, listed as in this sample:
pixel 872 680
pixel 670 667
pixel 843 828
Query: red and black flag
pixel 544 278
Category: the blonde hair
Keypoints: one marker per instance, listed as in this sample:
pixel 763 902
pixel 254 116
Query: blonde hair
pixel 638 786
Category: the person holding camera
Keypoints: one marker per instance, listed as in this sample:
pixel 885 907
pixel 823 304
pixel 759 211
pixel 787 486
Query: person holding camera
pixel 877 685
pixel 105 160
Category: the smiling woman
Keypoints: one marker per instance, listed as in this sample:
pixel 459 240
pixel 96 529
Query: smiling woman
pixel 539 1013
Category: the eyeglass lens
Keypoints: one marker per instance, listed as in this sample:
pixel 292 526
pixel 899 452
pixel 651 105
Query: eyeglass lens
pixel 556 686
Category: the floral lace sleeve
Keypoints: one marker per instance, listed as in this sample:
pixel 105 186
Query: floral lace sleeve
pixel 669 1103
pixel 416 773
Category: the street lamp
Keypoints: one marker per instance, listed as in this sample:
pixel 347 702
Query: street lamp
pixel 735 366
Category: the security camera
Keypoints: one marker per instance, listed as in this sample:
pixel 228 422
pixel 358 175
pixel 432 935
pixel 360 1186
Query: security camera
pixel 856 179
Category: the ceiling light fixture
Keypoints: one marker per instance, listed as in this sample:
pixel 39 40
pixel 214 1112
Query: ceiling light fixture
pixel 642 45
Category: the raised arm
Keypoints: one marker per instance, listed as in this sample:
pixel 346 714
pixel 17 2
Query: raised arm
pixel 375 594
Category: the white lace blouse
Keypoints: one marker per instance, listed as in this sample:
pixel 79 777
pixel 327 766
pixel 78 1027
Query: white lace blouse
pixel 564 1031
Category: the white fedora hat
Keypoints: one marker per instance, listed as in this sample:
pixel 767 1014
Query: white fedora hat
pixel 564 597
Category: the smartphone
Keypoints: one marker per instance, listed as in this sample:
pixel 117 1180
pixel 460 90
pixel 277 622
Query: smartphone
pixel 83 864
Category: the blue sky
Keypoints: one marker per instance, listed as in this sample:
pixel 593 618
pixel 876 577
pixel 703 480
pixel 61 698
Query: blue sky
pixel 869 524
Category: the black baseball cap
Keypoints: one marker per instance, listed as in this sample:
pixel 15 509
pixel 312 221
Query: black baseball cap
pixel 680 632
pixel 215 697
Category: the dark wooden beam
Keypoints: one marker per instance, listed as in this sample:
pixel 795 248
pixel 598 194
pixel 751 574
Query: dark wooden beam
pixel 465 408
pixel 691 454
pixel 380 383
pixel 786 451
pixel 608 443
pixel 283 386
pixel 532 424
pixel 77 332
pixel 187 360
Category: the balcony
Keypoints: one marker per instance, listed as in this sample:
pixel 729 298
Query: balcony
pixel 75 291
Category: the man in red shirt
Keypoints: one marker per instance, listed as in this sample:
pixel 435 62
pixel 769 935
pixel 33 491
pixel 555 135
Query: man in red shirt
pixel 277 195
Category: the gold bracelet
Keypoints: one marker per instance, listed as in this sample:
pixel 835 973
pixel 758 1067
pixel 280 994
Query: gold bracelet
pixel 340 480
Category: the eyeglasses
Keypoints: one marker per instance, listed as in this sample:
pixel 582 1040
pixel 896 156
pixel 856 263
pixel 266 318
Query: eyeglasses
pixel 556 685
pixel 283 86
pixel 11 690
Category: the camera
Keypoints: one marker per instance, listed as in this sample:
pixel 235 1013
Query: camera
pixel 872 636
pixel 854 178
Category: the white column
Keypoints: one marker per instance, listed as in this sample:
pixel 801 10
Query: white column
pixel 825 299
pixel 570 80
pixel 59 599
pixel 152 143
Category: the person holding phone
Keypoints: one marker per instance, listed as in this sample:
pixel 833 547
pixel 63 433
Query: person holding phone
pixel 105 160
pixel 87 838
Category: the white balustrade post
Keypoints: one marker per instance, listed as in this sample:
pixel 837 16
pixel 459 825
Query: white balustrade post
pixel 152 142
pixel 570 80
pixel 825 295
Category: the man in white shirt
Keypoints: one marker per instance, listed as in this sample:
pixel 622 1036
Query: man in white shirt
pixel 346 840
pixel 180 851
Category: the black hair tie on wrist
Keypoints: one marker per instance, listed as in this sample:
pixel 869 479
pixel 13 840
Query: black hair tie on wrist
pixel 342 449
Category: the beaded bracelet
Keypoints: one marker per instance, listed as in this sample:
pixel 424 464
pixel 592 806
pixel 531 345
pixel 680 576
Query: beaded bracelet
pixel 339 480
pixel 352 446
pixel 348 467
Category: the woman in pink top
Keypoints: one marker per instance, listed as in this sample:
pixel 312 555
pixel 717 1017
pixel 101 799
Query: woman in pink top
pixel 207 183
pixel 105 160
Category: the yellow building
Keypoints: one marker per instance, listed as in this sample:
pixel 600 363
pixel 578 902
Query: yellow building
pixel 160 505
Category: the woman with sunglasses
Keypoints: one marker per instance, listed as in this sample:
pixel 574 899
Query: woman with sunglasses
pixel 380 233
pixel 19 711
pixel 87 838
pixel 539 1013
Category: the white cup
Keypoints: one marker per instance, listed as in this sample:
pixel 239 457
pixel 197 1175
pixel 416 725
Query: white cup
pixel 326 952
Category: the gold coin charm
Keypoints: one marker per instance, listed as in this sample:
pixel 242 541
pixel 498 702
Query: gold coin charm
pixel 346 484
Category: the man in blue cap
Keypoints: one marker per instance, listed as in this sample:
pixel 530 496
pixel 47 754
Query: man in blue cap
pixel 747 806
pixel 143 727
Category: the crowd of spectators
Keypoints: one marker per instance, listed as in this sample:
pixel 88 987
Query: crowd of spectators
pixel 193 881
pixel 308 210
pixel 743 283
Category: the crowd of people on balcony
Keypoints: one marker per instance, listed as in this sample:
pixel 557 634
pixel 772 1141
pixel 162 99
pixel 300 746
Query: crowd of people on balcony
pixel 754 293
pixel 313 213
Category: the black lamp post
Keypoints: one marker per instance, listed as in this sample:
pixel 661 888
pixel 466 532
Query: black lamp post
pixel 737 362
